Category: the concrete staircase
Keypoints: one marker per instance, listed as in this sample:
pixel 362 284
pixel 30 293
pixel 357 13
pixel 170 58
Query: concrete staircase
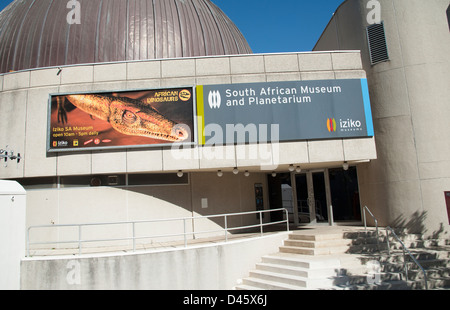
pixel 315 244
pixel 432 254
pixel 307 260
pixel 344 259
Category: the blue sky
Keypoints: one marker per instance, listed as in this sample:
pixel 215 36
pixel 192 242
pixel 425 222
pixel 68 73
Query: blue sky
pixel 275 26
pixel 280 26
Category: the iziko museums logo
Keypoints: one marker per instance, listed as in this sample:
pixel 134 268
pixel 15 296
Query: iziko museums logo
pixel 345 125
pixel 331 125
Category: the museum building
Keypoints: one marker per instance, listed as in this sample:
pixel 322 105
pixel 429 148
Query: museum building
pixel 159 109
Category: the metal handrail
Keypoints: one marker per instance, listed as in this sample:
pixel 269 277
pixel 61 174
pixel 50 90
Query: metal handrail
pixel 185 233
pixel 375 220
pixel 405 251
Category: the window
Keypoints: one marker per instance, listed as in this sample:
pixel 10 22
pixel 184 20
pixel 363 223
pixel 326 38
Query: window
pixel 377 43
pixel 157 179
pixel 92 180
pixel 38 183
pixel 110 180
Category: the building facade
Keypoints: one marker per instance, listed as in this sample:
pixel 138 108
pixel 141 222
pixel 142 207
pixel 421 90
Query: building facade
pixel 407 68
pixel 146 182
pixel 324 175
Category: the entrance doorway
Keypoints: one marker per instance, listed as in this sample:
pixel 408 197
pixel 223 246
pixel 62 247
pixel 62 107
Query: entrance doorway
pixel 313 197
pixel 317 196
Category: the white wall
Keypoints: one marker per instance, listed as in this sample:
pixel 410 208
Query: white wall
pixel 12 233
pixel 227 194
pixel 209 267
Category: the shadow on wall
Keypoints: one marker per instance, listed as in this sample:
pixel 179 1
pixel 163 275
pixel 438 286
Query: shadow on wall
pixel 162 202
pixel 416 225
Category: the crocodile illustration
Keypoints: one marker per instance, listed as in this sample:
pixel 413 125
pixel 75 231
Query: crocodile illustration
pixel 127 116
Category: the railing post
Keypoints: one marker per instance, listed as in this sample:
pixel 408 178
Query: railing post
pixel 406 265
pixel 134 238
pixel 260 222
pixel 226 229
pixel 287 219
pixel 387 241
pixel 185 236
pixel 377 236
pixel 364 215
pixel 79 239
pixel 28 242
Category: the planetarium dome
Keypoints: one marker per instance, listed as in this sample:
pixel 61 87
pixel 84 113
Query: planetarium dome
pixel 44 33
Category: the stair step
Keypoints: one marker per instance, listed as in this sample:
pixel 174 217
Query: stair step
pixel 263 284
pixel 283 278
pixel 296 281
pixel 315 237
pixel 314 251
pixel 245 287
pixel 317 244
pixel 285 260
pixel 438 272
pixel 294 260
pixel 297 271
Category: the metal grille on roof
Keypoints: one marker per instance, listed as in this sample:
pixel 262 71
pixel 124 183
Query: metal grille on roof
pixel 377 43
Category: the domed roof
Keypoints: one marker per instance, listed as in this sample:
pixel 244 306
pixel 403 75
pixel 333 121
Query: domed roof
pixel 44 33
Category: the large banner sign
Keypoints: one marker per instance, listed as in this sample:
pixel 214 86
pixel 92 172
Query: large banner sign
pixel 283 111
pixel 121 119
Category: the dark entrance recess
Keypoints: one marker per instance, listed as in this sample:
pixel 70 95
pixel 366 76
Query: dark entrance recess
pixel 314 191
pixel 320 196
pixel 276 194
pixel 345 194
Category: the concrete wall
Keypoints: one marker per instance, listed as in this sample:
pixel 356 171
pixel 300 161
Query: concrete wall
pixel 25 95
pixel 405 185
pixel 228 194
pixel 215 267
pixel 12 233
pixel 23 127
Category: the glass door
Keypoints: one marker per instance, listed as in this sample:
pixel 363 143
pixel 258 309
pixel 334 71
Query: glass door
pixel 345 194
pixel 301 186
pixel 319 199
pixel 313 197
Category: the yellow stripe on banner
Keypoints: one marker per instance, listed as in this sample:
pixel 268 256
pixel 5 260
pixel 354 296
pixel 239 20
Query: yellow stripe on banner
pixel 200 115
